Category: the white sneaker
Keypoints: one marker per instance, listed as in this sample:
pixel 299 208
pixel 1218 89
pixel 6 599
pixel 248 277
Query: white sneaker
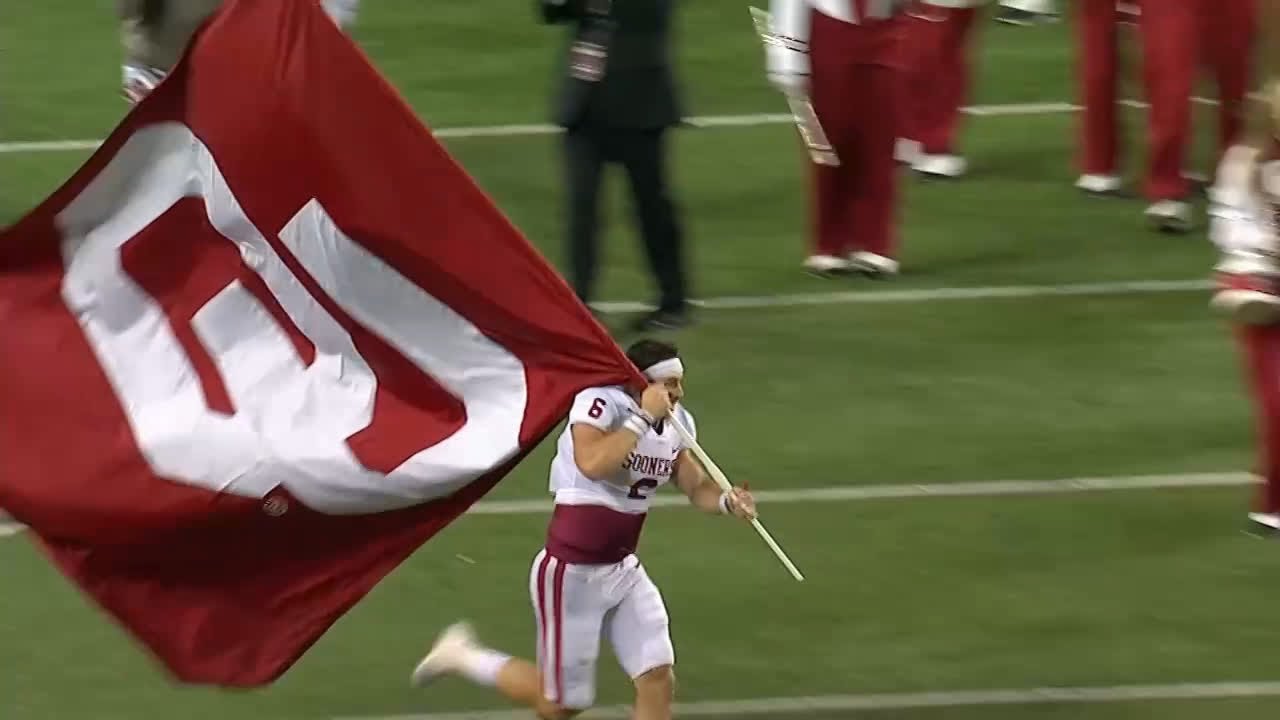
pixel 1170 216
pixel 1269 520
pixel 873 264
pixel 941 166
pixel 826 265
pixel 906 151
pixel 447 655
pixel 1099 184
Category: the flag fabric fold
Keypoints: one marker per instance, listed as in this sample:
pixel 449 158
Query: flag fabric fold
pixel 265 343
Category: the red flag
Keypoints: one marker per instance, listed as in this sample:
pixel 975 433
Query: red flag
pixel 267 342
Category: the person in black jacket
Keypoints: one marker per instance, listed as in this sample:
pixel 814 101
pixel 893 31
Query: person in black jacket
pixel 616 101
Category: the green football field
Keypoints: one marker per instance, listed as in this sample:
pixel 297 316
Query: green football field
pixel 1036 335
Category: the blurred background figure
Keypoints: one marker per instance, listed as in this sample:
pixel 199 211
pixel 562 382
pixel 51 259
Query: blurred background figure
pixel 616 102
pixel 844 54
pixel 1177 38
pixel 155 33
pixel 936 47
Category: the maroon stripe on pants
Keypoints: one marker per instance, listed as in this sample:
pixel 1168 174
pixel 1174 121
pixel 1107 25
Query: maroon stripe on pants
pixel 557 600
pixel 542 613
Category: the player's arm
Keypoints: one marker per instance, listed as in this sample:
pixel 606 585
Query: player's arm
pixel 705 494
pixel 600 445
pixel 556 11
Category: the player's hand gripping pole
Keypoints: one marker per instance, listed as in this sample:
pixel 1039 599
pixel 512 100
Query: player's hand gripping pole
pixel 718 475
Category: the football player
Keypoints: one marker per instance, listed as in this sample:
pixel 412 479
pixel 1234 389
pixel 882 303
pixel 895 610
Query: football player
pixel 586 583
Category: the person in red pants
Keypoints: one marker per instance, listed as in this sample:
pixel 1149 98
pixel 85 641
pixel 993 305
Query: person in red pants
pixel 1244 228
pixel 1177 38
pixel 936 40
pixel 844 56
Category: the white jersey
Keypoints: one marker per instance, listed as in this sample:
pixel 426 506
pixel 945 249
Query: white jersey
pixel 649 467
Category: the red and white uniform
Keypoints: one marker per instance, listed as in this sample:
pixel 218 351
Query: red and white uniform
pixel 1243 227
pixel 854 76
pixel 936 50
pixel 587 582
pixel 1177 36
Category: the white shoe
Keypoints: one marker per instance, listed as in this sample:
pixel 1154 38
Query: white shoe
pixel 826 265
pixel 1269 520
pixel 1099 184
pixel 873 264
pixel 940 166
pixel 1170 216
pixel 447 655
pixel 906 151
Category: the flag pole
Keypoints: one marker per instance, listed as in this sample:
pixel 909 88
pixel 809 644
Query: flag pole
pixel 719 477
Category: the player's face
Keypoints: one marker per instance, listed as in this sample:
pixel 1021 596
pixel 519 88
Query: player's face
pixel 675 386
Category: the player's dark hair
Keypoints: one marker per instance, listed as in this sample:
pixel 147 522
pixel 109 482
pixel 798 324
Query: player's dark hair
pixel 644 353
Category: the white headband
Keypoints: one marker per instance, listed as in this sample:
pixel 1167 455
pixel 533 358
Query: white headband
pixel 665 370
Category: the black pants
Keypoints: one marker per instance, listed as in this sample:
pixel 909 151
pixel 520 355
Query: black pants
pixel 641 153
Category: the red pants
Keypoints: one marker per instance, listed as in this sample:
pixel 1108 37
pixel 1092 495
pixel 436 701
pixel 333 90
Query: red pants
pixel 855 91
pixel 1177 36
pixel 937 67
pixel 1261 346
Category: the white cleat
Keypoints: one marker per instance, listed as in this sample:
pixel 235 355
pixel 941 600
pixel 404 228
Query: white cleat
pixel 1270 521
pixel 941 166
pixel 447 655
pixel 1170 216
pixel 826 265
pixel 873 264
pixel 1099 184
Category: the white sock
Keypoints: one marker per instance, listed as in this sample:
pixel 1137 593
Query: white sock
pixel 481 666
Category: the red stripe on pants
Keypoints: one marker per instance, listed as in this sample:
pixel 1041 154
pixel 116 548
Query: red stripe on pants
pixel 937 75
pixel 542 616
pixel 1261 345
pixel 558 604
pixel 856 90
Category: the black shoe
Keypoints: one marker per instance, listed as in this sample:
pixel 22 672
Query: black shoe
pixel 663 320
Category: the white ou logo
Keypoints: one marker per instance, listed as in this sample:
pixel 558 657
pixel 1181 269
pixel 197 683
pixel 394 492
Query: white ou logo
pixel 291 421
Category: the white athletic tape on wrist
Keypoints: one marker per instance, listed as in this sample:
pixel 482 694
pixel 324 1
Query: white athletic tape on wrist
pixel 637 425
pixel 665 370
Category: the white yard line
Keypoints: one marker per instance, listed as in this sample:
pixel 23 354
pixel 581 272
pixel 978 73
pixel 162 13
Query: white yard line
pixel 855 493
pixel 865 297
pixel 906 491
pixel 709 121
pixel 904 701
